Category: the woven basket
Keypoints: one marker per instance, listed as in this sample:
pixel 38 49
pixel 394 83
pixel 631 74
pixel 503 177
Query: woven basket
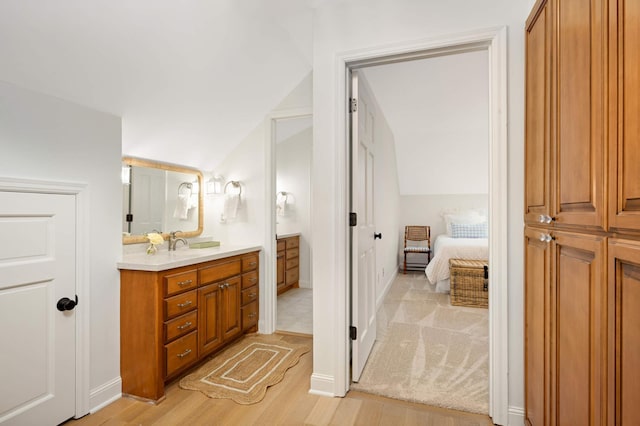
pixel 469 287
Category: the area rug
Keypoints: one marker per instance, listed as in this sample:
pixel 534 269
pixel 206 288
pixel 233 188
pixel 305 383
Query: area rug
pixel 428 351
pixel 244 371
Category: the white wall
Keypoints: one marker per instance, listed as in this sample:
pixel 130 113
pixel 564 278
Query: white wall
pixel 358 24
pixel 293 175
pixel 46 138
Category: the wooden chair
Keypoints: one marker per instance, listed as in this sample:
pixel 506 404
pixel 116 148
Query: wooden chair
pixel 419 238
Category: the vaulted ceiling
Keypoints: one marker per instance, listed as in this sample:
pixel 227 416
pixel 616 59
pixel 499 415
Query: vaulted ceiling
pixel 190 79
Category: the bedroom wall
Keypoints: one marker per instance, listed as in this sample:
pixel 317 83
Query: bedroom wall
pixel 341 27
pixel 293 175
pixel 46 138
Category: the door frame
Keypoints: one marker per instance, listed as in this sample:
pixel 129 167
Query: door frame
pixel 494 41
pixel 270 302
pixel 82 313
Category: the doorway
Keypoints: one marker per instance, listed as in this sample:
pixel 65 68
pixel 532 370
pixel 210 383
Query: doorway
pixel 494 42
pixel 291 143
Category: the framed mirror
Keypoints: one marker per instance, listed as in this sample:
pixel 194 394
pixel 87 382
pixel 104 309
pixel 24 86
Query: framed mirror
pixel 160 197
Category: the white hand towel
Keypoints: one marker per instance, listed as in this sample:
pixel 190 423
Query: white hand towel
pixel 182 207
pixel 231 204
pixel 281 204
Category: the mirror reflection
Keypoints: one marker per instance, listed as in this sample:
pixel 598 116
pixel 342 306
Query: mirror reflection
pixel 159 197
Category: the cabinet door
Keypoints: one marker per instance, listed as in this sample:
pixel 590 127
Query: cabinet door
pixel 537 328
pixel 578 295
pixel 579 113
pixel 209 320
pixel 537 133
pixel 624 110
pixel 231 318
pixel 624 332
pixel 280 269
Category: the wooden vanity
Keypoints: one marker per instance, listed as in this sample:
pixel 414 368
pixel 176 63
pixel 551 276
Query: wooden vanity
pixel 176 313
pixel 288 262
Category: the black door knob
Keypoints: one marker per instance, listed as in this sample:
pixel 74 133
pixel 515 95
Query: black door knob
pixel 377 236
pixel 66 304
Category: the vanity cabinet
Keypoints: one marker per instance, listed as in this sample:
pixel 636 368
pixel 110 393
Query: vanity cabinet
pixel 288 263
pixel 171 319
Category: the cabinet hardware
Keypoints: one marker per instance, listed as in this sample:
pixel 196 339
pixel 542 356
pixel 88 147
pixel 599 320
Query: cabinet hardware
pixel 185 325
pixel 185 283
pixel 253 280
pixel 252 295
pixel 252 315
pixel 185 353
pixel 185 304
pixel 544 218
pixel 546 238
pixel 252 264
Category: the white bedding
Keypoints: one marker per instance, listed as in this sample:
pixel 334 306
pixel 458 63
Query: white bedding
pixel 446 248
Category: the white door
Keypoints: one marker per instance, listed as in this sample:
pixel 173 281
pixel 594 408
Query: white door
pixel 363 250
pixel 148 197
pixel 37 268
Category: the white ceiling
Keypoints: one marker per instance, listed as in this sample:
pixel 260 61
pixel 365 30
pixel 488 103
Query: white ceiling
pixel 437 109
pixel 190 79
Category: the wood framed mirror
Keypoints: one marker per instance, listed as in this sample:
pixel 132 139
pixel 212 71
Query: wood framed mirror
pixel 160 197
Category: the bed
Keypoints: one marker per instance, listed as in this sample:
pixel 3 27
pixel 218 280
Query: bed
pixel 447 247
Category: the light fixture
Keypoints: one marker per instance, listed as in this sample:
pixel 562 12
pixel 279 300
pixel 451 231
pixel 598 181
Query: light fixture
pixel 214 185
pixel 126 175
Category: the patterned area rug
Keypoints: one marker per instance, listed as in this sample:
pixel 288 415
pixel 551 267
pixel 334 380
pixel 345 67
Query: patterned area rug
pixel 245 370
pixel 428 351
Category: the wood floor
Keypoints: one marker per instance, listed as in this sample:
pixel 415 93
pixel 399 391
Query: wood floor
pixel 287 403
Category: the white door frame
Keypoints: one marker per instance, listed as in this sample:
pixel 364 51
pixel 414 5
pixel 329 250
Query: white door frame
pixel 80 192
pixel 268 305
pixel 494 41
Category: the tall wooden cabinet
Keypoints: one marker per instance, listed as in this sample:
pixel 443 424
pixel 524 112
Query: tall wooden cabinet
pixel 288 263
pixel 582 213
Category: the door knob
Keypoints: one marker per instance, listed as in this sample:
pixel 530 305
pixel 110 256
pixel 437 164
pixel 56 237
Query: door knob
pixel 377 236
pixel 66 304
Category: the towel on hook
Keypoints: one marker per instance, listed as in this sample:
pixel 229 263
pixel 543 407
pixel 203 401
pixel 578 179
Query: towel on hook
pixel 281 204
pixel 182 206
pixel 231 205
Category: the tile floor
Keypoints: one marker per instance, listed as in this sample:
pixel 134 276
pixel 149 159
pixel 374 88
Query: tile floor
pixel 295 311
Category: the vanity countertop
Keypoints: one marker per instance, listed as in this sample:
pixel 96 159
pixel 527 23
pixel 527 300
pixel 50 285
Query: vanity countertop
pixel 164 260
pixel 288 235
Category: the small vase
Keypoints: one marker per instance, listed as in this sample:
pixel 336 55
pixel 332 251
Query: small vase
pixel 152 249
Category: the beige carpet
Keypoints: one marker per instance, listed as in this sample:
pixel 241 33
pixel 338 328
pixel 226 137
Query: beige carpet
pixel 244 371
pixel 429 351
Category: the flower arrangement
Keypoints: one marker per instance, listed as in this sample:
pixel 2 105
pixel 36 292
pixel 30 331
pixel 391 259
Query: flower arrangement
pixel 155 239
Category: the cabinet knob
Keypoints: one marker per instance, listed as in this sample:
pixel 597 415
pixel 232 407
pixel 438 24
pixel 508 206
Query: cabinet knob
pixel 544 218
pixel 546 238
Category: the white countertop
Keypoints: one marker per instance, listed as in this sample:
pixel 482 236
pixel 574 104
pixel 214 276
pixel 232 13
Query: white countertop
pixel 290 234
pixel 184 256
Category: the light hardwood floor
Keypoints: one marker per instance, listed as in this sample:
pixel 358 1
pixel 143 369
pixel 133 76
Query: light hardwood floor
pixel 287 403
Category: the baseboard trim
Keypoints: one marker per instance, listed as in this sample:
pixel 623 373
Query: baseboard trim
pixel 322 385
pixel 387 287
pixel 516 416
pixel 105 394
pixel 304 284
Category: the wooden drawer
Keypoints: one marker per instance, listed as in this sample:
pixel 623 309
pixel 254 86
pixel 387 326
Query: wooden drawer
pixel 180 326
pixel 181 353
pixel 250 315
pixel 180 304
pixel 281 245
pixel 249 295
pixel 250 262
pixel 249 279
pixel 291 276
pixel 292 263
pixel 177 283
pixel 293 242
pixel 219 271
pixel 291 253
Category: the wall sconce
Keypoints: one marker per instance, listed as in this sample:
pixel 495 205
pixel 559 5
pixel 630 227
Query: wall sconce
pixel 214 185
pixel 126 175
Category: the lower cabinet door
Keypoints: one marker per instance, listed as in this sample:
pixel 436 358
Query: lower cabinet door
pixel 578 295
pixel 231 320
pixel 209 318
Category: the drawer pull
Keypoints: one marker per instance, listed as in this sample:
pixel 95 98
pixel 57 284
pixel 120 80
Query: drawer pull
pixel 185 325
pixel 252 315
pixel 185 304
pixel 252 264
pixel 225 285
pixel 183 354
pixel 253 279
pixel 252 295
pixel 185 283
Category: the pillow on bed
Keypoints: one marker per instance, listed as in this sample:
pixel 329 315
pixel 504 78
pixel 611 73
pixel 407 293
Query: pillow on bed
pixel 469 230
pixel 462 218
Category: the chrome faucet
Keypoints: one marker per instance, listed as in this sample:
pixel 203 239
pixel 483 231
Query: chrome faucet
pixel 173 240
